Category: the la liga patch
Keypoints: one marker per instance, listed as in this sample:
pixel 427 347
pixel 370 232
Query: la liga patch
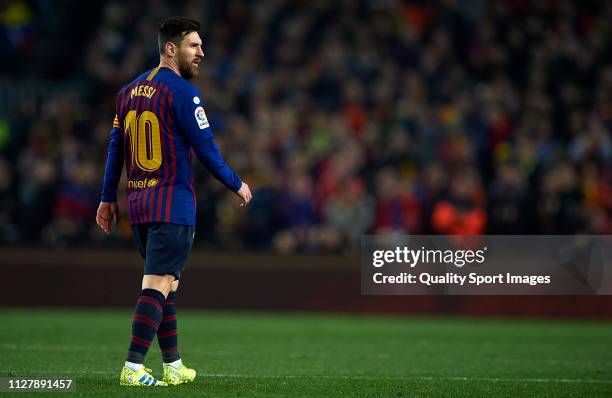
pixel 200 117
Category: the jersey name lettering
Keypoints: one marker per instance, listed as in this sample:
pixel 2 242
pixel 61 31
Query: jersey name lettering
pixel 142 91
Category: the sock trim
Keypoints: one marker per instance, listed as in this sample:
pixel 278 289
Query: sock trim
pixel 133 365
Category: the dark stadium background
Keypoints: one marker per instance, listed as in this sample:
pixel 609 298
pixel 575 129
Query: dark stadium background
pixel 345 118
pixel 443 117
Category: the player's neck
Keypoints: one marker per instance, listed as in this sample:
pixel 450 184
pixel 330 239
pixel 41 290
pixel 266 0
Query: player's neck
pixel 170 64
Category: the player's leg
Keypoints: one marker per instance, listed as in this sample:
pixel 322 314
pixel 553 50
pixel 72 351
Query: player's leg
pixel 175 372
pixel 147 313
pixel 167 333
pixel 145 322
pixel 147 317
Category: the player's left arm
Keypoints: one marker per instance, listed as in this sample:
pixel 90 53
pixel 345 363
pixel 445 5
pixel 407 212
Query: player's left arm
pixel 108 210
pixel 194 123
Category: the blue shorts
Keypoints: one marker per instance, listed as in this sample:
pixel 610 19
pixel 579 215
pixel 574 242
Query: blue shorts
pixel 164 247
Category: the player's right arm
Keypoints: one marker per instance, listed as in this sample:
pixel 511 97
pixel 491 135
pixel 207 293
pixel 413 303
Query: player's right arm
pixel 108 210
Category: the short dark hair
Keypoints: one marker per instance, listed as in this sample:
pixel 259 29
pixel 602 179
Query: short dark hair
pixel 174 29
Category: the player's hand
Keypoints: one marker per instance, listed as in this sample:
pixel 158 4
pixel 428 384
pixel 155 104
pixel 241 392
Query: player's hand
pixel 245 194
pixel 107 216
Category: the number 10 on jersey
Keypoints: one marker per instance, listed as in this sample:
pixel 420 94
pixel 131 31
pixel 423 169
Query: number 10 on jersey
pixel 145 140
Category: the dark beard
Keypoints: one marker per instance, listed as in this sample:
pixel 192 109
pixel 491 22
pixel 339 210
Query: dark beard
pixel 185 70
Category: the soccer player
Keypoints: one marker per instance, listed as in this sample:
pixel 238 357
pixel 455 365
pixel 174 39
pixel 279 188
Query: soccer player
pixel 159 123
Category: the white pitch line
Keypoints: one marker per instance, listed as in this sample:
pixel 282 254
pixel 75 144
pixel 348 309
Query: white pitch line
pixel 430 378
pixel 308 355
pixel 355 377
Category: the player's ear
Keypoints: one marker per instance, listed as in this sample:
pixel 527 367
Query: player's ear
pixel 170 48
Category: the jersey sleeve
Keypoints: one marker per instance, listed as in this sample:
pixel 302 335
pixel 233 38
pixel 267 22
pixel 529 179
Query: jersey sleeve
pixel 194 124
pixel 114 164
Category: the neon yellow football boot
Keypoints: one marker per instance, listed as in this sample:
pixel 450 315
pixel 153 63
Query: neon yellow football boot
pixel 180 375
pixel 139 378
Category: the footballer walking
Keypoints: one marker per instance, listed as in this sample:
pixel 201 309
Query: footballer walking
pixel 159 123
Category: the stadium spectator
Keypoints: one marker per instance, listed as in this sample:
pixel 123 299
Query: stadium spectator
pixel 380 111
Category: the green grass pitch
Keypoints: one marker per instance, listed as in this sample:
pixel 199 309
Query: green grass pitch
pixel 288 355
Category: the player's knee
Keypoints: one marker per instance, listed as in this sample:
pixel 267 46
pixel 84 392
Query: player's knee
pixel 162 283
pixel 174 286
pixel 167 284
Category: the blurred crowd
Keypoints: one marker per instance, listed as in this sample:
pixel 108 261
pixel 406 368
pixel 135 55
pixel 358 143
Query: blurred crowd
pixel 345 118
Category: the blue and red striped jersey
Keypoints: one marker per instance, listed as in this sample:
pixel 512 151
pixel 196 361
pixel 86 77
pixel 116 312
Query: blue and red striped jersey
pixel 159 123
